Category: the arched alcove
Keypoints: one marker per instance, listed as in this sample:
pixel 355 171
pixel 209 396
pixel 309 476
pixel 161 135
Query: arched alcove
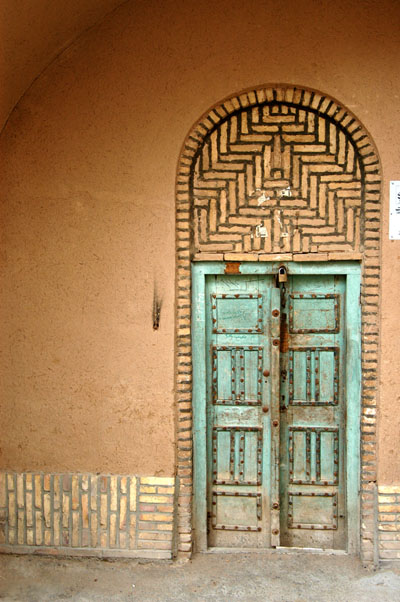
pixel 278 172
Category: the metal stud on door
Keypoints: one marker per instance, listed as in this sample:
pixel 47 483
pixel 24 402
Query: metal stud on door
pixel 275 414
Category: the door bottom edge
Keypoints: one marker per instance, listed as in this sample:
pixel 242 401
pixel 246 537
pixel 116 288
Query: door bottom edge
pixel 279 549
pixel 325 551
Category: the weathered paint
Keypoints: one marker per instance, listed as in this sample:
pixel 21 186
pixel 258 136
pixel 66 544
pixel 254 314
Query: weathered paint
pixel 259 513
pixel 312 413
pixel 239 395
pixel 353 408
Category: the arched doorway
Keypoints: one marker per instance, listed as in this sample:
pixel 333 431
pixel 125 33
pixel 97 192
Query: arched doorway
pixel 279 174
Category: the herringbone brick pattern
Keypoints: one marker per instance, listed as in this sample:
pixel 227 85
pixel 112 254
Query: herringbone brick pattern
pixel 277 178
pixel 279 173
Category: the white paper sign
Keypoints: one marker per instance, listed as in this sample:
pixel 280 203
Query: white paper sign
pixel 394 218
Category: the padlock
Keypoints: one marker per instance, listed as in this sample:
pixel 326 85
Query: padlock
pixel 282 274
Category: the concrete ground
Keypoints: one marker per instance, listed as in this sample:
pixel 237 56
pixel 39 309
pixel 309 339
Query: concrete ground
pixel 266 577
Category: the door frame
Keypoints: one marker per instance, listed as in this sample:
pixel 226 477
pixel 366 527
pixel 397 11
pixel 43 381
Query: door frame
pixel 352 271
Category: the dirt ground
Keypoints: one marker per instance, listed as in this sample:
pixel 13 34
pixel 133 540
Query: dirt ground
pixel 266 577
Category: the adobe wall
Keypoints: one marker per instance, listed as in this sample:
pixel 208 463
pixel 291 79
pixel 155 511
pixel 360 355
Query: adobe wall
pixel 33 34
pixel 90 156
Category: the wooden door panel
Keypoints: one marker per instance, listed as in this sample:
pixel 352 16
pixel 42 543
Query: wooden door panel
pixel 237 455
pixel 312 471
pixel 275 421
pixel 313 455
pixel 313 375
pixel 238 431
pixel 312 510
pixel 234 313
pixel 236 511
pixel 313 313
pixel 237 374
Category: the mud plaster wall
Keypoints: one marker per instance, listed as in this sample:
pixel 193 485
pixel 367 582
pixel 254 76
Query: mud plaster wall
pixel 33 33
pixel 88 213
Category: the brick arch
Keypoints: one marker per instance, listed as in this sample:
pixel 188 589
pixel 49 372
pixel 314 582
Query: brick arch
pixel 278 170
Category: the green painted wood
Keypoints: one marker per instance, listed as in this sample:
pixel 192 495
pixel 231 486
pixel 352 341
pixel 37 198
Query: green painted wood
pixel 199 328
pixel 305 434
pixel 274 412
pixel 353 387
pixel 313 475
pixel 238 428
pixel 293 267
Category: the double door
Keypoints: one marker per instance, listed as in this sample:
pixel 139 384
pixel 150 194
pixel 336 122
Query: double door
pixel 275 404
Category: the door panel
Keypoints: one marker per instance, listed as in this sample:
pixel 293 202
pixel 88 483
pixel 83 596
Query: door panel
pixel 275 405
pixel 312 471
pixel 238 430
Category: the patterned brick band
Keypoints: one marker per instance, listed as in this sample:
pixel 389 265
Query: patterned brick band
pixel 279 172
pixel 88 514
pixel 389 522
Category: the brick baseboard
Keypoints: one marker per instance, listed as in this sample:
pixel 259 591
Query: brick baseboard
pixel 86 514
pixel 389 522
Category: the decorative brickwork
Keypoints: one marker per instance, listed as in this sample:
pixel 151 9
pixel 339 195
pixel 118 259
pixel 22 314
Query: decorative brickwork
pixel 389 522
pixel 87 514
pixel 279 173
pixel 276 178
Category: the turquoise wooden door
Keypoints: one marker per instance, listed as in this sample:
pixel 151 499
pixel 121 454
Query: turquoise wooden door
pixel 277 398
pixel 243 350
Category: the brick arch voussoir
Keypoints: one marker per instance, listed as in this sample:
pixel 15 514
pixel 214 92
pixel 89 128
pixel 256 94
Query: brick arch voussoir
pixel 305 98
